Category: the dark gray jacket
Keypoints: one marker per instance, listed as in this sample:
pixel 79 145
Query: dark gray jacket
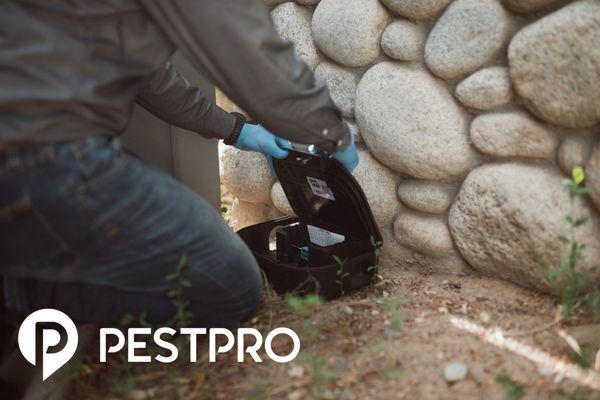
pixel 70 68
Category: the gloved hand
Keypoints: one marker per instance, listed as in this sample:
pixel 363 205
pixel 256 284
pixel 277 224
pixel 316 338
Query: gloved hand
pixel 256 138
pixel 348 157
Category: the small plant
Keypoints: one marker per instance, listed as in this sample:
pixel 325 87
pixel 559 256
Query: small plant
pixel 390 374
pixel 514 390
pixel 392 306
pixel 320 375
pixel 183 317
pixel 303 306
pixel 374 269
pixel 584 357
pixel 389 365
pixel 576 289
pixel 340 273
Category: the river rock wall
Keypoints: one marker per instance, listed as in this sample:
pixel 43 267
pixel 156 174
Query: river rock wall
pixel 468 115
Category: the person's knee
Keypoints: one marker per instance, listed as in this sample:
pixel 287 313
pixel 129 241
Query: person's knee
pixel 249 278
pixel 232 288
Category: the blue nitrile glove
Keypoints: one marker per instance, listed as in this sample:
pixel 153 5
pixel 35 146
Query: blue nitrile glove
pixel 348 157
pixel 256 138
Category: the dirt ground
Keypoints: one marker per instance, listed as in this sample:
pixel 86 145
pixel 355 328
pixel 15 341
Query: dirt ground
pixel 358 353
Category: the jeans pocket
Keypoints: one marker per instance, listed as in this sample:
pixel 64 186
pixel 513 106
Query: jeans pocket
pixel 100 161
pixel 26 238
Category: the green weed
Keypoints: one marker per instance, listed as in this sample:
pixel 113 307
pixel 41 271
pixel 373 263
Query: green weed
pixel 576 289
pixel 514 390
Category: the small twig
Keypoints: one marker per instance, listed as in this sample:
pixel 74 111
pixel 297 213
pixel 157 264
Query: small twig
pixel 597 363
pixel 557 320
pixel 290 384
pixel 571 341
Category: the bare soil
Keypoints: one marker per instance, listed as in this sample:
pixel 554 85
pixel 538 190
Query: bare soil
pixel 363 358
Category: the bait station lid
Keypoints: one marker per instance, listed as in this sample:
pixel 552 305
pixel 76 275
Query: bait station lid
pixel 331 247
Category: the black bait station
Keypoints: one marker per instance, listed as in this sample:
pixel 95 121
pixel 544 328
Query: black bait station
pixel 331 247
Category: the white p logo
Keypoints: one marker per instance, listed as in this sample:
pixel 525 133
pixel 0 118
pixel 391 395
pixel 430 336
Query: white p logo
pixel 51 361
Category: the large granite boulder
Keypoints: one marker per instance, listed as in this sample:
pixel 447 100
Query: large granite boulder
pixel 555 65
pixel 507 219
pixel 379 185
pixel 342 84
pixel 246 175
pixel 349 31
pixel 293 23
pixel 244 214
pixel 411 123
pixel 470 34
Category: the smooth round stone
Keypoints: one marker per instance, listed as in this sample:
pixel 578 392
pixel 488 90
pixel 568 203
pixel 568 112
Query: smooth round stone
pixel 293 23
pixel 513 134
pixel 593 176
pixel 485 89
pixel 424 233
pixel 574 151
pixel 426 196
pixel 554 65
pixel 411 123
pixel 416 9
pixel 506 220
pixel 246 175
pixel 470 34
pixel 403 40
pixel 349 31
pixel 280 201
pixel 530 6
pixel 455 372
pixel 342 83
pixel 245 214
pixel 379 185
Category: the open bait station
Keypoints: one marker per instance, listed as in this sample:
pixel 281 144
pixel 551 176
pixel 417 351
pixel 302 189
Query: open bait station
pixel 331 247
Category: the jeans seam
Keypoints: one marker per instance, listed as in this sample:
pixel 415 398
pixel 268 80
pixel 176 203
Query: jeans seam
pixel 56 238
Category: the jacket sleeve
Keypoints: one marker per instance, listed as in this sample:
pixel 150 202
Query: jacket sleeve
pixel 169 96
pixel 235 43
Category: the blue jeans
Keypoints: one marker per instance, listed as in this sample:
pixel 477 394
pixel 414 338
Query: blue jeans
pixel 90 230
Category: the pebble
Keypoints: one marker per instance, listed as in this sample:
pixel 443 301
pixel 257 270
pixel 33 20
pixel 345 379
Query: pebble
pixel 374 312
pixel 391 333
pixel 484 317
pixel 296 395
pixel 297 371
pixel 463 308
pixel 559 378
pixel 137 394
pixel 455 372
pixel 443 310
pixel 348 310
